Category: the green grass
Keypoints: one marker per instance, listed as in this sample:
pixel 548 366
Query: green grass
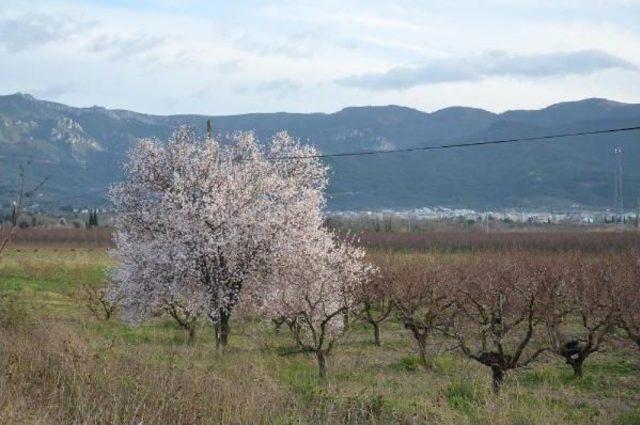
pixel 64 366
pixel 465 396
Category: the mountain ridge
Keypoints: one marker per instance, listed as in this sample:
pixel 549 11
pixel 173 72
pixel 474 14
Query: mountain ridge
pixel 83 149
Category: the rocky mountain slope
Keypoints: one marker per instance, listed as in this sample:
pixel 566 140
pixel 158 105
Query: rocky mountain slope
pixel 82 149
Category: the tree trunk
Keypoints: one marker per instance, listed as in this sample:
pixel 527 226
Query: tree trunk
pixel 322 364
pixel 633 336
pixel 278 323
pixel 222 331
pixel 498 378
pixel 420 334
pixel 191 334
pixel 376 333
pixel 422 348
pixel 576 365
pixel 345 317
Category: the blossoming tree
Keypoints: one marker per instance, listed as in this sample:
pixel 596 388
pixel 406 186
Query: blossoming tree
pixel 154 278
pixel 312 283
pixel 206 216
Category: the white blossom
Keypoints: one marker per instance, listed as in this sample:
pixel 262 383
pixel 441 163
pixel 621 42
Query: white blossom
pixel 201 219
pixel 312 283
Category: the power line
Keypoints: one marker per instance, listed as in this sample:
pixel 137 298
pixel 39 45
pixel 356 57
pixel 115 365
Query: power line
pixel 619 198
pixel 413 149
pixel 461 145
pixel 423 148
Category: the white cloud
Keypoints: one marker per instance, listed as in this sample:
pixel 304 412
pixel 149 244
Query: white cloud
pixel 124 47
pixel 166 56
pixel 37 29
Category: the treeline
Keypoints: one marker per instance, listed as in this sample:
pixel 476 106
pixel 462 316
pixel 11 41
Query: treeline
pixel 482 222
pixel 460 241
pixel 97 237
pixel 441 241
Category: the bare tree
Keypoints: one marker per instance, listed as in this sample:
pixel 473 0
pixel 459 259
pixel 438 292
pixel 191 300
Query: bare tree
pixel 7 235
pixel 627 295
pixel 496 319
pixel 98 301
pixel 184 316
pixel 373 301
pixel 579 308
pixel 419 288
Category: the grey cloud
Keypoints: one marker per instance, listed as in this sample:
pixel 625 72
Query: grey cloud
pixel 550 64
pixel 33 30
pixel 495 63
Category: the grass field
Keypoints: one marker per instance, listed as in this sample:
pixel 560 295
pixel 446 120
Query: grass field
pixel 62 365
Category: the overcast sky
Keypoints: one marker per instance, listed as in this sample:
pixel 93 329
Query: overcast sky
pixel 227 57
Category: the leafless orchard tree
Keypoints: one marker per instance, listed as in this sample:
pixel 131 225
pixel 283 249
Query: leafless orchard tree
pixel 98 301
pixel 185 317
pixel 627 295
pixel 579 307
pixel 373 300
pixel 496 322
pixel 421 291
pixel 23 194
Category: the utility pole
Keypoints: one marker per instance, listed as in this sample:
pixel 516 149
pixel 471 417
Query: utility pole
pixel 209 129
pixel 619 198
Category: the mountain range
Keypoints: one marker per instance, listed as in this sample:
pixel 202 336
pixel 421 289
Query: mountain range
pixel 83 149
